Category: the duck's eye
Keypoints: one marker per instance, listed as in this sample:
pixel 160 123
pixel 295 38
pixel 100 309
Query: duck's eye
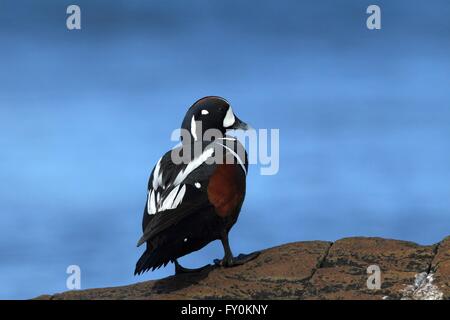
pixel 205 112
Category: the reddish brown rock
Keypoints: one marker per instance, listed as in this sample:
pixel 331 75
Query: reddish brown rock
pixel 344 273
pixel 441 267
pixel 306 270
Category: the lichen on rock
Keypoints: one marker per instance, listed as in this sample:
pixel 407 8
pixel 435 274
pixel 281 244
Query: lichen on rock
pixel 422 289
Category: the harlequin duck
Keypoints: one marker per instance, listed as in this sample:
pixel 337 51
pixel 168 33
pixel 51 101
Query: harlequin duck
pixel 196 190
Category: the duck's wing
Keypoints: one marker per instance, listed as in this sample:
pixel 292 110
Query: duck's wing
pixel 175 192
pixel 179 190
pixel 156 186
pixel 192 201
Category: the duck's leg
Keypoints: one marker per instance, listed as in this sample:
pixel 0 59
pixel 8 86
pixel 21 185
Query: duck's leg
pixel 230 261
pixel 182 270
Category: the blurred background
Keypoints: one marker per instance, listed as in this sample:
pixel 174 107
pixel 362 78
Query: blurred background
pixel 84 116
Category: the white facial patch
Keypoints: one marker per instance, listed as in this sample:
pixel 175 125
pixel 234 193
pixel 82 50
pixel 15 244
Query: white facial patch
pixel 194 128
pixel 229 119
pixel 205 112
pixel 198 185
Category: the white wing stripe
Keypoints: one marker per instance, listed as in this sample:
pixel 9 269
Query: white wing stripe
pixel 157 176
pixel 151 207
pixel 179 197
pixel 194 164
pixel 168 201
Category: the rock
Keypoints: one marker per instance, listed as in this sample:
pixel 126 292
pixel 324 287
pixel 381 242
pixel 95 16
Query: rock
pixel 441 266
pixel 344 272
pixel 306 270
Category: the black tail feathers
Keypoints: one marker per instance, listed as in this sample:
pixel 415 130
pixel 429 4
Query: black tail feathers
pixel 151 260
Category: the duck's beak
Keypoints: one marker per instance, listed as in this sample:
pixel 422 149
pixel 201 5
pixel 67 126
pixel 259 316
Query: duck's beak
pixel 239 125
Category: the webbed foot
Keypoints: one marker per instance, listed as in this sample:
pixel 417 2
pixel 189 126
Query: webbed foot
pixel 182 270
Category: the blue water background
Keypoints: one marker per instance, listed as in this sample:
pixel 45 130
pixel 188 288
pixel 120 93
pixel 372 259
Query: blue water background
pixel 364 119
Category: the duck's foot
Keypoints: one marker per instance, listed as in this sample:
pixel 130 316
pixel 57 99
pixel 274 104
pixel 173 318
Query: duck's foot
pixel 182 270
pixel 236 261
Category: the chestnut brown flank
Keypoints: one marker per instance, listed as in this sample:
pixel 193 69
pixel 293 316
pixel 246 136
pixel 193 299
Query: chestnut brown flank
pixel 225 189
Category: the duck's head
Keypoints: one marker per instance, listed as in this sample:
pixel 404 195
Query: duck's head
pixel 211 112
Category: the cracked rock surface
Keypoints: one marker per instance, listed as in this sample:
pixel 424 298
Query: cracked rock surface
pixel 306 270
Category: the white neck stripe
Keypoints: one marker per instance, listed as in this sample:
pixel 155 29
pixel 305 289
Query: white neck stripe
pixel 236 156
pixel 194 128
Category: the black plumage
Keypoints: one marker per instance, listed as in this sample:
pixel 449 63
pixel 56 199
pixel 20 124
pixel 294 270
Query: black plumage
pixel 192 203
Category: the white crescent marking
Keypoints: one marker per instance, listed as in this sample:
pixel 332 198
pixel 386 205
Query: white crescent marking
pixel 236 156
pixel 229 119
